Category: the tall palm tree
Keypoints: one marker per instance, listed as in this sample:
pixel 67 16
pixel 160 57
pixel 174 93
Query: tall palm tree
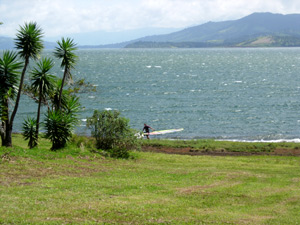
pixel 43 84
pixel 9 77
pixel 65 52
pixel 29 43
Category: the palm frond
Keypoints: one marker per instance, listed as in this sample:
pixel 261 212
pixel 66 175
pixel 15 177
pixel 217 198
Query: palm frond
pixel 29 40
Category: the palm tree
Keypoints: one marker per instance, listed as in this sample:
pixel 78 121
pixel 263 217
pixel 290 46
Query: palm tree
pixel 65 52
pixel 43 84
pixel 29 43
pixel 9 77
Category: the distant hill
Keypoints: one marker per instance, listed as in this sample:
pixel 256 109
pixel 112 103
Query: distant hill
pixel 257 29
pixel 7 43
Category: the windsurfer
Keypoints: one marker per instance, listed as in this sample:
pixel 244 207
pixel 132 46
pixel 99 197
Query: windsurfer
pixel 147 130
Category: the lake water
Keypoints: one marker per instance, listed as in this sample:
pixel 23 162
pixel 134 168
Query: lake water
pixel 234 94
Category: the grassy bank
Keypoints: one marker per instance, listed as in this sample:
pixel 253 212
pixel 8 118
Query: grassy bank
pixel 76 186
pixel 229 146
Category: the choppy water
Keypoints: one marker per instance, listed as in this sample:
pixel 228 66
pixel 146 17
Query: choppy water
pixel 244 94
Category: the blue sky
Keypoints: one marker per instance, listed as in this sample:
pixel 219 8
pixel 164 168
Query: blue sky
pixel 64 17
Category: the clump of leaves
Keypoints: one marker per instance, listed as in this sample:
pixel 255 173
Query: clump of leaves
pixel 112 133
pixel 59 128
pixel 29 132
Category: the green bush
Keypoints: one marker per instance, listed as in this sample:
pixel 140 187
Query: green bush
pixel 29 132
pixel 59 126
pixel 112 133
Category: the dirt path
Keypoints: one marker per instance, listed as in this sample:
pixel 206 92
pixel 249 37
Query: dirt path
pixel 222 152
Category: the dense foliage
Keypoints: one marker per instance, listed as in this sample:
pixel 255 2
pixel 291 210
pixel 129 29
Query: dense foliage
pixel 29 132
pixel 9 78
pixel 112 133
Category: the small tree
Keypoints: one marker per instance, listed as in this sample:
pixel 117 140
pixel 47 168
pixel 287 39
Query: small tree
pixel 42 84
pixel 65 52
pixel 112 133
pixel 9 78
pixel 29 43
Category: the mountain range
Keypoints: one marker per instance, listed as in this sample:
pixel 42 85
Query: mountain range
pixel 255 30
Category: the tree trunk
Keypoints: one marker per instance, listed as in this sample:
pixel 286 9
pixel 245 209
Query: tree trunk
pixel 8 138
pixel 3 132
pixel 10 125
pixel 38 115
pixel 5 124
pixel 61 88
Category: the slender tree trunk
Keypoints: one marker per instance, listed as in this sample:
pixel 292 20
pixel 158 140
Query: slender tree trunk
pixel 8 138
pixel 10 125
pixel 38 115
pixel 61 88
pixel 2 132
pixel 5 123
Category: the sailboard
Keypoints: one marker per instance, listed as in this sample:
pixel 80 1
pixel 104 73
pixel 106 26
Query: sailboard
pixel 164 131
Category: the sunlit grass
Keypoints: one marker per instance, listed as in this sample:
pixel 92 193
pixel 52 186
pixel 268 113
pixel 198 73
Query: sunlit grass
pixel 212 145
pixel 77 186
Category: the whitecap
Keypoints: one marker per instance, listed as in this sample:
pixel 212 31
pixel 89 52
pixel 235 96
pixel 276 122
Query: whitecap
pixel 148 66
pixel 91 96
pixel 296 140
pixel 157 66
pixel 108 109
pixel 84 120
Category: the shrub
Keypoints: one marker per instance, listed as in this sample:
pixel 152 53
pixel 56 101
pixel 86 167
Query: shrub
pixel 59 128
pixel 59 123
pixel 29 132
pixel 112 133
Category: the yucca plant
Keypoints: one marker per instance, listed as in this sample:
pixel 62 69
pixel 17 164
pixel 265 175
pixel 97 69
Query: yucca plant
pixel 30 44
pixel 59 128
pixel 60 123
pixel 29 132
pixel 65 52
pixel 9 77
pixel 43 83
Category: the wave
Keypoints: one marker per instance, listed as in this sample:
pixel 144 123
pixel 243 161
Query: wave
pixel 295 140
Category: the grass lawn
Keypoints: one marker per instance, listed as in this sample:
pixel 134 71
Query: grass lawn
pixel 75 186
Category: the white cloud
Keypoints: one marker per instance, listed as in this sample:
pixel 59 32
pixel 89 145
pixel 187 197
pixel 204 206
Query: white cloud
pixel 60 17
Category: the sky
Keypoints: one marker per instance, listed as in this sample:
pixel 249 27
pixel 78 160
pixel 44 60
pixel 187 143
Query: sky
pixel 60 18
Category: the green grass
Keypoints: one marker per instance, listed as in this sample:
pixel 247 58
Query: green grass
pixel 75 186
pixel 212 145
